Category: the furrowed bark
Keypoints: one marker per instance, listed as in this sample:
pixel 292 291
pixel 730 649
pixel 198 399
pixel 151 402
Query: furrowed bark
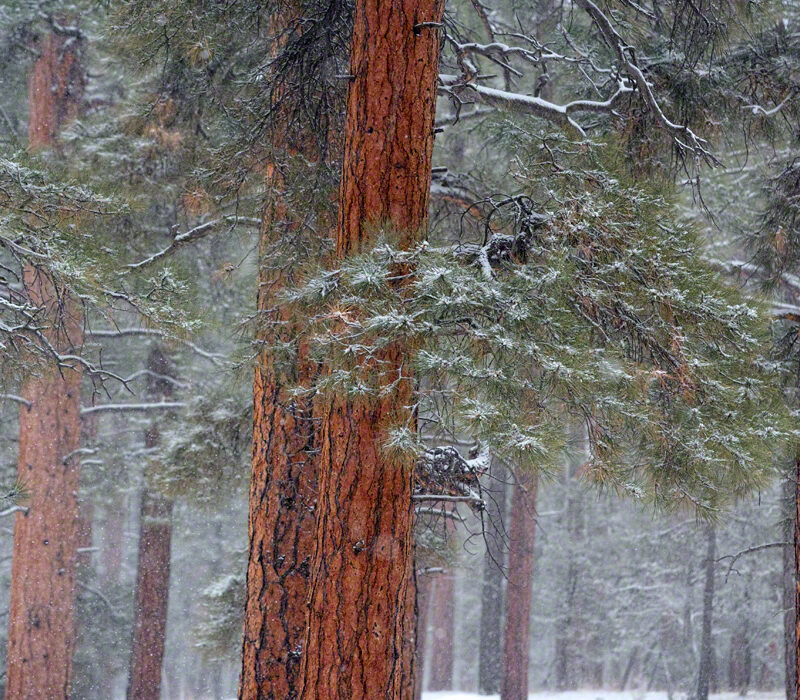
pixel 281 521
pixel 516 645
pixel 152 572
pixel 55 89
pixel 361 635
pixel 41 611
pixel 283 481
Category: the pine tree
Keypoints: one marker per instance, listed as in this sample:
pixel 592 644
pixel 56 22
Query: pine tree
pixel 516 644
pixel 45 537
pixel 152 572
pixel 363 561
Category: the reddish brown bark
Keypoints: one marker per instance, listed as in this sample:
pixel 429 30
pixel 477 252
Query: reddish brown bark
pixel 522 532
pixel 443 613
pixel 150 605
pixel 41 615
pixel 55 88
pixel 40 637
pixel 361 626
pixel 152 572
pixel 283 478
pixel 281 531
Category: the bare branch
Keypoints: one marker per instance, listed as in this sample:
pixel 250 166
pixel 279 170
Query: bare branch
pixel 154 332
pixel 18 399
pixel 749 550
pixel 194 234
pixel 683 136
pixel 137 407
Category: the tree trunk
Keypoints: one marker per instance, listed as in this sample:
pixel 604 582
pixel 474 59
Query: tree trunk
pixel 442 612
pixel 41 611
pixel 490 655
pixel 360 641
pixel 283 482
pixel 55 89
pixel 152 572
pixel 791 494
pixel 563 643
pixel 112 550
pixel 283 486
pixel 424 586
pixel 152 588
pixel 519 590
pixel 796 538
pixel 706 671
pixel 568 637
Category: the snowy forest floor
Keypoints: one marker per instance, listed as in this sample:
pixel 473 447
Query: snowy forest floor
pixel 600 695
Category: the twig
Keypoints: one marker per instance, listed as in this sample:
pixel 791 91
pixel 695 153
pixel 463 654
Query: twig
pixel 749 550
pixel 124 407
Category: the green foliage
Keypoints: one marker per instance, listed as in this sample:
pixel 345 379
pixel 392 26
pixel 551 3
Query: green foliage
pixel 219 633
pixel 600 309
pixel 207 452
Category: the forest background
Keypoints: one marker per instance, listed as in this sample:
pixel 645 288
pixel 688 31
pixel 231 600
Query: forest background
pixel 563 343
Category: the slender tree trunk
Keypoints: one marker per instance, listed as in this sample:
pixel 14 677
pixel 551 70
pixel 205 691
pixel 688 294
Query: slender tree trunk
pixel 360 641
pixel 791 494
pixel 565 681
pixel 706 671
pixel 796 655
pixel 113 539
pixel 490 656
pixel 152 572
pixel 519 590
pixel 442 612
pixel 41 612
pixel 567 635
pixel 89 425
pixel 112 550
pixel 424 586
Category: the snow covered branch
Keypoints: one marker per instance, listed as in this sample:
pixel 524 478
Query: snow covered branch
pixel 453 86
pixel 449 499
pixel 126 407
pixel 758 110
pixel 193 234
pixel 18 399
pixel 683 136
pixel 215 358
pixel 749 550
